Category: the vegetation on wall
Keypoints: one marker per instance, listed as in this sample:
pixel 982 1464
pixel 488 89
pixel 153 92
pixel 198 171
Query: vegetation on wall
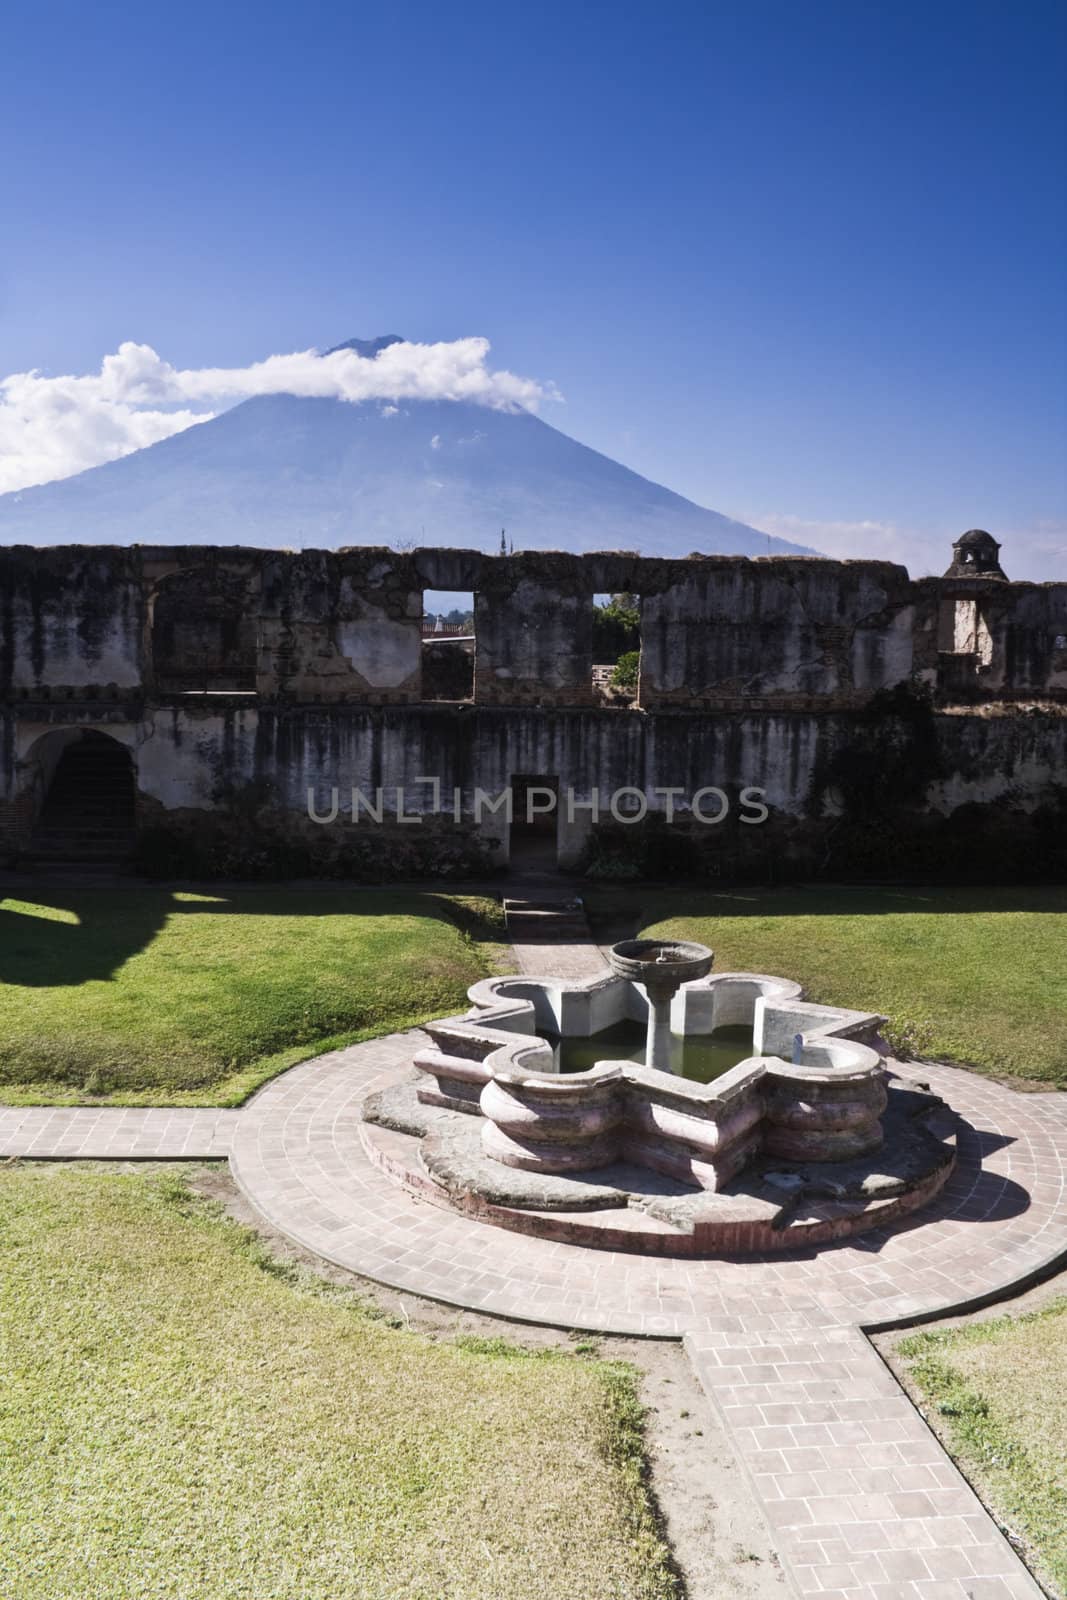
pixel 1001 843
pixel 247 837
pixel 866 787
pixel 625 852
pixel 627 669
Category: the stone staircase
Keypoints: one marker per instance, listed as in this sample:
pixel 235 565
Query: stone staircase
pixel 546 920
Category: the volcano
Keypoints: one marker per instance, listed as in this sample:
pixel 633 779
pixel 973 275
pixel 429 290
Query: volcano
pixel 291 472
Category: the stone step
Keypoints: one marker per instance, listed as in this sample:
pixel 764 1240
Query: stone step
pixel 543 904
pixel 546 921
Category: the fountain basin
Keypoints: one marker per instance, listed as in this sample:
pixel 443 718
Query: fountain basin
pixel 670 961
pixel 797 1145
pixel 824 1105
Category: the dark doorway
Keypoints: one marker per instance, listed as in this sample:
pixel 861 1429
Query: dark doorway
pixel 532 839
pixel 89 808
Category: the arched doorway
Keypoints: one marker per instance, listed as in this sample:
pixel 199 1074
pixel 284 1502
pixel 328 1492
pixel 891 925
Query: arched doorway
pixel 88 811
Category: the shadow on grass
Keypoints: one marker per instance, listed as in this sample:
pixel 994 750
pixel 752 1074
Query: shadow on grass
pixel 78 935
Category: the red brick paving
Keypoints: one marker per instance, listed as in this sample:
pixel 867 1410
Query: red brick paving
pixel 113 1133
pixel 863 1501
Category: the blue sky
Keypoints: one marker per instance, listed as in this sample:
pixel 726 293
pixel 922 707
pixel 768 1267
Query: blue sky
pixel 802 262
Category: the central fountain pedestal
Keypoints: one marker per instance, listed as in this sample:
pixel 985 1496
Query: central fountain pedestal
pixel 660 966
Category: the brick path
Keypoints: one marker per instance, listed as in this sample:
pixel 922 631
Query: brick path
pixel 570 961
pixel 114 1133
pixel 553 958
pixel 863 1501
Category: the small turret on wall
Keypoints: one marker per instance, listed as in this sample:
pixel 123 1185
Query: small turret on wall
pixel 976 554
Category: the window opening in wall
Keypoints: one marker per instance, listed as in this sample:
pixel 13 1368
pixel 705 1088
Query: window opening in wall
pixel 616 648
pixel 204 634
pixel 448 645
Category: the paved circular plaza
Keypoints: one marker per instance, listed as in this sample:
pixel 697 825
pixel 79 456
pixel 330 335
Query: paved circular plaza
pixel 296 1152
pixel 862 1500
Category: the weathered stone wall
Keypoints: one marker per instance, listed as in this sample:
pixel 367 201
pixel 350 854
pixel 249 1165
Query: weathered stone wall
pixel 762 674
pixel 533 626
pixel 71 622
pixel 782 634
pixel 191 757
pixel 717 633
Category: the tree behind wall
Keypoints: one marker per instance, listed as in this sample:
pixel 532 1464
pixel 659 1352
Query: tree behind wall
pixel 616 629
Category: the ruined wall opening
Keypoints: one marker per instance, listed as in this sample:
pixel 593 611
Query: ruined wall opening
pixel 965 643
pixel 203 631
pixel 616 648
pixel 449 645
pixel 88 792
pixel 970 632
pixel 533 835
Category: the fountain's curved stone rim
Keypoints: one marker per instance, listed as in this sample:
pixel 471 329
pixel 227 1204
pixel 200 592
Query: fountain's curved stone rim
pixel 510 1011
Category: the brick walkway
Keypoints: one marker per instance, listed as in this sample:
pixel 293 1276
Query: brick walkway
pixel 552 958
pixel 110 1133
pixel 582 960
pixel 863 1501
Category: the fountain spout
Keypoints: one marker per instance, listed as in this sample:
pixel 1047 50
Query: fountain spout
pixel 661 967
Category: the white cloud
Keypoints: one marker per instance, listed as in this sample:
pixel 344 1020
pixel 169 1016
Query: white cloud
pixel 1037 552
pixel 866 540
pixel 52 427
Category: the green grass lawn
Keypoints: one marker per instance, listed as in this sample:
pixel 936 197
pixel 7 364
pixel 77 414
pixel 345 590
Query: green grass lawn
pixel 152 996
pixel 996 1392
pixel 973 975
pixel 181 1415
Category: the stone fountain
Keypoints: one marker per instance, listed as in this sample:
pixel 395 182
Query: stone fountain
pixel 660 966
pixel 801 1142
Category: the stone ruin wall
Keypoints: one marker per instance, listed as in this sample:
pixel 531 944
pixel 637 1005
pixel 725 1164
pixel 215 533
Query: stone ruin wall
pixel 750 671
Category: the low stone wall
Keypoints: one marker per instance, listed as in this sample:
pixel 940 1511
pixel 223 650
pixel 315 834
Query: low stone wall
pixel 699 1133
pixel 571 1123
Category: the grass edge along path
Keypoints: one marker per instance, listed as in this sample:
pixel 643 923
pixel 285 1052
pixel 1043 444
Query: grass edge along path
pixel 1023 1483
pixel 182 1412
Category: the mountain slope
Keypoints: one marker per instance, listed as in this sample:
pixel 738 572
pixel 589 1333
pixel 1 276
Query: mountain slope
pixel 285 471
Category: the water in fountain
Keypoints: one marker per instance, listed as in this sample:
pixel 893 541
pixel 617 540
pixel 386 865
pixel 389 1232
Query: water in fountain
pixel 701 1056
